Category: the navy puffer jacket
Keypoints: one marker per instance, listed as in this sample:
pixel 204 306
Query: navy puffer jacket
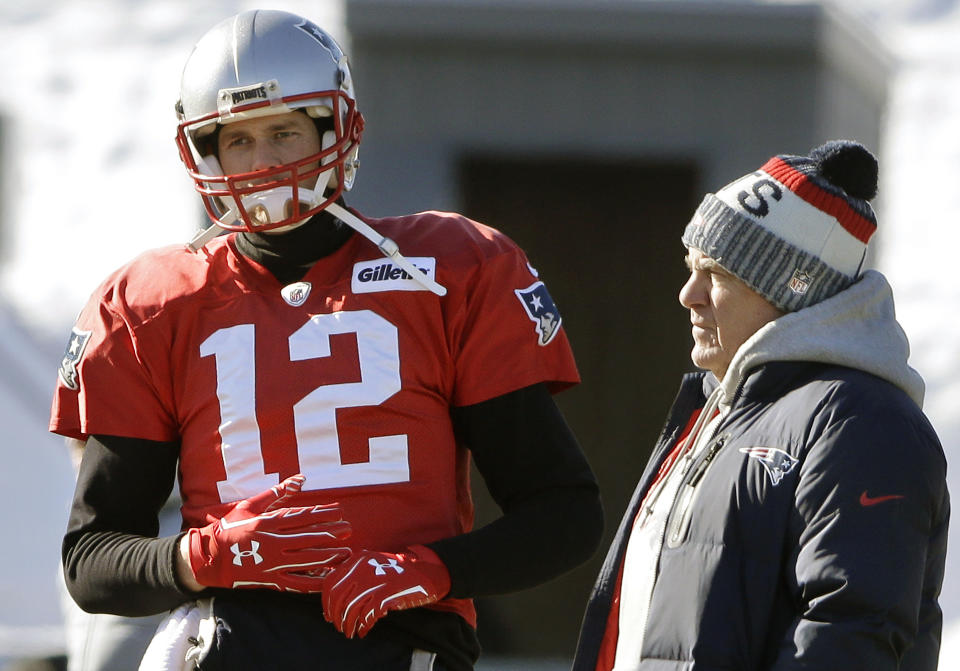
pixel 817 534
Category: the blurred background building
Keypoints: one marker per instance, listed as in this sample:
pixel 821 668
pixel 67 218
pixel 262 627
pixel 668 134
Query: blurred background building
pixel 588 130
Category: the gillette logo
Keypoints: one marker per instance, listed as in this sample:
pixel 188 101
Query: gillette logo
pixel 383 275
pixel 387 271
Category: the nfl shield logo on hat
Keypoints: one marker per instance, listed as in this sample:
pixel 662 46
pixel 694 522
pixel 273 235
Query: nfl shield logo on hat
pixel 800 282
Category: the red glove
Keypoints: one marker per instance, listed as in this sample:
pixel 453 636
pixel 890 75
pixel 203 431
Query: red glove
pixel 261 543
pixel 363 589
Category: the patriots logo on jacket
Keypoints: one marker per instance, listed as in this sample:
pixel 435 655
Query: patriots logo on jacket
pixel 71 357
pixel 541 310
pixel 776 462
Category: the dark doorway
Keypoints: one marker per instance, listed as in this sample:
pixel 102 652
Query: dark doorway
pixel 605 237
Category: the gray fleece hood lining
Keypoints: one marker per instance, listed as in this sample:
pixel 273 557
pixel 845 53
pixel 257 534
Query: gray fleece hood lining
pixel 856 328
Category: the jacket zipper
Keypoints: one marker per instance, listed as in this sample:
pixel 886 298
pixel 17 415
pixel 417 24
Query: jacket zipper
pixel 683 510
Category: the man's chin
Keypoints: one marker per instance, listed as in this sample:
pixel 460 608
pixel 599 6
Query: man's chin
pixel 703 358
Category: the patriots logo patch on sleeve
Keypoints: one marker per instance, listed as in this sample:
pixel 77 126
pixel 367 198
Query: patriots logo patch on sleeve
pixel 541 310
pixel 71 357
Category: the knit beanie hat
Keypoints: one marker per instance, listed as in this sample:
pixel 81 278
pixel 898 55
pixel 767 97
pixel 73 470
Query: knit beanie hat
pixel 796 230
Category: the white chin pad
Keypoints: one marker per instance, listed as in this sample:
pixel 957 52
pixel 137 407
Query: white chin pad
pixel 272 205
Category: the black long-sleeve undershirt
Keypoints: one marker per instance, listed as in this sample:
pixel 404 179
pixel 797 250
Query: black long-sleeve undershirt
pixel 534 469
pixel 112 559
pixel 524 450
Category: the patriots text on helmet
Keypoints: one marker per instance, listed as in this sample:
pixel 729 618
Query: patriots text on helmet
pixel 257 93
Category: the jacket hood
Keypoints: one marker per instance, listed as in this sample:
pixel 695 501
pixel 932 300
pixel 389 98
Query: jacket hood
pixel 856 328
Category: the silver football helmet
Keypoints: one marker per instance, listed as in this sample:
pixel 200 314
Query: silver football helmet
pixel 259 63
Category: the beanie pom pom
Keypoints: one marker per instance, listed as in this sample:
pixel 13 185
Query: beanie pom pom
pixel 848 165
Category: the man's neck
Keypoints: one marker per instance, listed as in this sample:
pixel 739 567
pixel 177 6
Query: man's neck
pixel 289 255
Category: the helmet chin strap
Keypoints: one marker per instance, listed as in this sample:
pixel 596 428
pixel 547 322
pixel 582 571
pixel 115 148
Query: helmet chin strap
pixel 387 246
pixel 274 201
pixel 204 236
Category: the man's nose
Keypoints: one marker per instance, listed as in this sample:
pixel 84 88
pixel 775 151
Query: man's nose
pixel 265 155
pixel 693 292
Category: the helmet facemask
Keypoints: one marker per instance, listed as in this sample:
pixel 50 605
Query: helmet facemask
pixel 263 63
pixel 263 200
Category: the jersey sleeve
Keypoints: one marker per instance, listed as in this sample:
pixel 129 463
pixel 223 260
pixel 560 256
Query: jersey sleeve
pixel 512 333
pixel 103 385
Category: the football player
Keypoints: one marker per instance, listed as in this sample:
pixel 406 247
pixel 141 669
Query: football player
pixel 317 381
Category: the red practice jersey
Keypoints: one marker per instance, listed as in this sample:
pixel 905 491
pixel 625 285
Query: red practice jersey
pixel 347 376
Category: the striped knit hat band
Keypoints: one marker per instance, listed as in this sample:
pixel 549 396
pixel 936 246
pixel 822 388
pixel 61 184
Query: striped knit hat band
pixel 795 231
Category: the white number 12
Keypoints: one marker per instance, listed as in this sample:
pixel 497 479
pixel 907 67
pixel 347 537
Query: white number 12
pixel 314 416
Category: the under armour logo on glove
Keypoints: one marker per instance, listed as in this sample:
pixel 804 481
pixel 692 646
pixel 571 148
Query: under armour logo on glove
pixel 379 569
pixel 262 543
pixel 355 598
pixel 239 554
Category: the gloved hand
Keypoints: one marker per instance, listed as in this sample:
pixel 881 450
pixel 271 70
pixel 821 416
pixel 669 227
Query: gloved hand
pixel 261 543
pixel 358 592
